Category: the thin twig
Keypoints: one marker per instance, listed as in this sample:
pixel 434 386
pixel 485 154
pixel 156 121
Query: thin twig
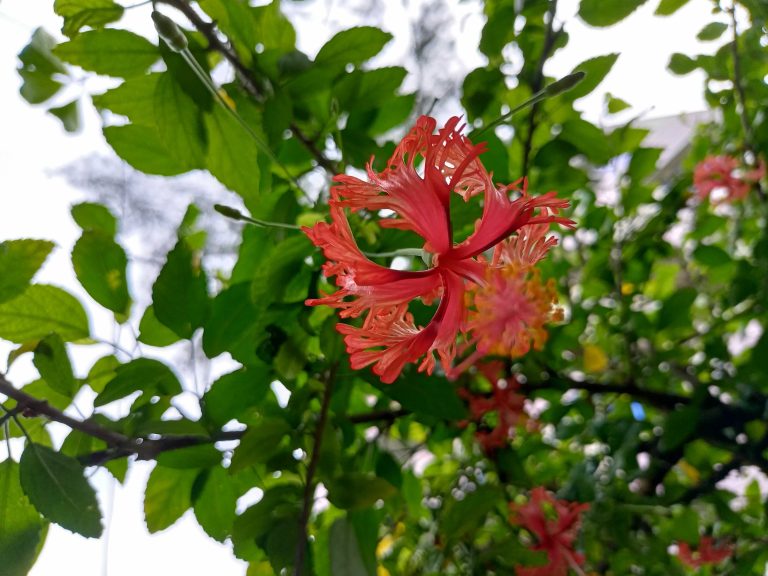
pixel 538 81
pixel 309 486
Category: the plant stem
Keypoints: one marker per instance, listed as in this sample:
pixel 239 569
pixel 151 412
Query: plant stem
pixel 741 99
pixel 309 486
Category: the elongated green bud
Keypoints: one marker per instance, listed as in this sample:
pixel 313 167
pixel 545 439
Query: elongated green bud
pixel 229 212
pixel 564 84
pixel 170 32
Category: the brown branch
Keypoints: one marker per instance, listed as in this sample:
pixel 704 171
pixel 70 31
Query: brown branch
pixel 36 406
pixel 150 449
pixel 119 445
pixel 537 84
pixel 322 160
pixel 309 486
pixel 245 75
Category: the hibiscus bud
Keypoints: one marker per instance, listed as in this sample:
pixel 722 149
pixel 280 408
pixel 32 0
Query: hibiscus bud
pixel 564 84
pixel 229 212
pixel 169 31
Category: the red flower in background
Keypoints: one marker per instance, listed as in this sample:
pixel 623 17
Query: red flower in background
pixel 723 172
pixel 508 405
pixel 389 337
pixel 706 553
pixel 555 524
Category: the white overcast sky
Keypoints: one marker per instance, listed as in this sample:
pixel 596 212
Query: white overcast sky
pixel 34 204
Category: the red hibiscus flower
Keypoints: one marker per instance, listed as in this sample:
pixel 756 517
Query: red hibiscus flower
pixel 416 188
pixel 555 524
pixel 722 172
pixel 706 553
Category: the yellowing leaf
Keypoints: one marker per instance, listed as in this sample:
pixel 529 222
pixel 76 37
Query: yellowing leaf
pixel 692 473
pixel 384 546
pixel 595 358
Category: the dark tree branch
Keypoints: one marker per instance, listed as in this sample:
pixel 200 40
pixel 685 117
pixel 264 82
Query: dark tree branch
pixel 378 416
pixel 119 445
pixel 309 486
pixel 34 406
pixel 245 75
pixel 559 382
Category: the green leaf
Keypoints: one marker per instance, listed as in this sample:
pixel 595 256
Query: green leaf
pixel 201 456
pixel 281 543
pixel 676 310
pixel 38 65
pixel 265 25
pixel 358 490
pixel 150 376
pixel 52 361
pixel 167 497
pixel 425 395
pixel 102 371
pixel 69 114
pixel 94 217
pixel 465 516
pixel 232 154
pixel 681 64
pixel 40 310
pixel 55 485
pixel 589 139
pixel 179 123
pixel 607 12
pixel 712 31
pixel 22 530
pixel 80 13
pixel 283 500
pixel 152 332
pixel 215 504
pixel 109 51
pixel 678 427
pixel 596 70
pixel 232 313
pixel 180 293
pixel 260 442
pixel 37 88
pixel 281 271
pixel 100 265
pixel 344 550
pixel 353 46
pixel 134 98
pixel 363 90
pixel 615 105
pixel 668 7
pixel 233 394
pixel 141 147
pixel 711 256
pixel 20 260
pixel 685 526
pixel 38 55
